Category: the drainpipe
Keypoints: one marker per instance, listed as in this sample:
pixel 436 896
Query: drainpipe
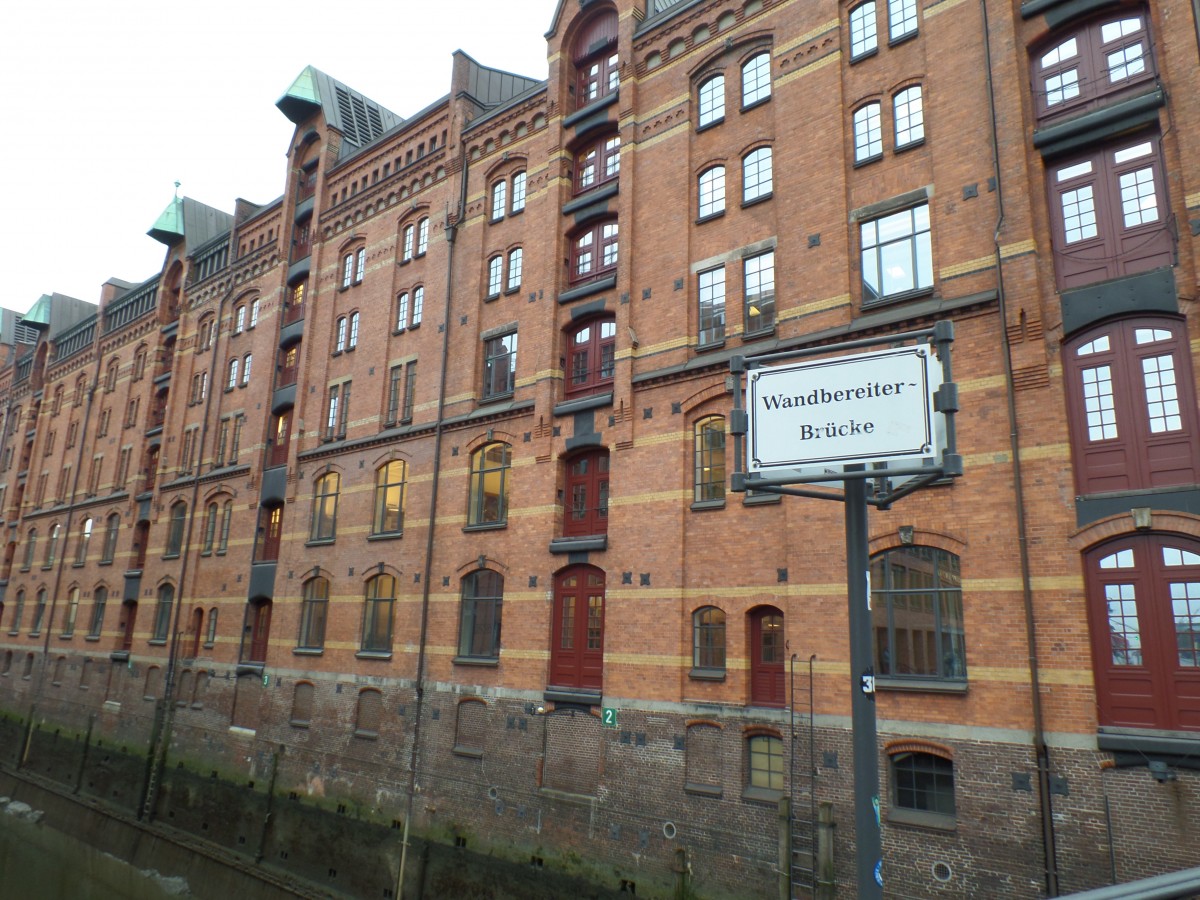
pixel 1041 750
pixel 438 433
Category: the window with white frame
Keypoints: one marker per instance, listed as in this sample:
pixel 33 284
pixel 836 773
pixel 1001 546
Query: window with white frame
pixel 513 279
pixel 246 360
pixel 352 336
pixel 499 199
pixel 423 236
pixel 418 305
pixel 518 192
pixel 402 311
pixel 495 275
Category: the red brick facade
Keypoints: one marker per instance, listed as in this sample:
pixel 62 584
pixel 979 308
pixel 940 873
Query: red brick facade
pixel 574 332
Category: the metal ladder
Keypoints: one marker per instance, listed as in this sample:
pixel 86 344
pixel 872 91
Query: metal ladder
pixel 803 802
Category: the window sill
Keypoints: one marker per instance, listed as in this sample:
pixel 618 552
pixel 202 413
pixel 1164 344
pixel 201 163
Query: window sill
pixel 170 556
pixel 703 790
pixel 386 536
pixel 491 297
pixel 496 219
pixel 486 526
pixel 907 36
pixel 92 637
pixel 373 654
pixel 467 752
pixel 761 101
pixel 366 735
pixel 896 298
pixel 711 345
pixel 487 662
pixel 710 217
pixel 66 637
pixel 582 404
pixel 762 795
pixel 708 504
pixel 495 398
pixel 297 723
pixel 512 290
pixel 931 685
pixel 593 193
pixel 701 673
pixel 710 124
pixel 308 651
pixel 761 198
pixel 749 337
pixel 157 642
pixel 579 544
pixel 866 54
pixel 921 819
pixel 900 148
pixel 595 106
pixel 759 499
pixel 317 542
pixel 405 261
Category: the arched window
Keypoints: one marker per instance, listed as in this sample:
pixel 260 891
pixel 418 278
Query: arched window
pixel 402 310
pixel 377 614
pixel 591 355
pixel 139 364
pixel 369 713
pixel 85 539
pixel 1086 64
pixel 246 360
pixel 351 339
pixel 499 199
pixel 18 613
pixel 711 101
pixel 495 275
pixel 518 192
pixel 302 704
pixel 52 545
pixel 864 35
pixel 313 614
pixel 708 640
pixel 422 236
pixel 586 511
pixel 39 612
pixel 390 481
pixel 210 636
pixel 408 242
pixel 110 376
pixel 595 57
pixel 922 789
pixel 112 527
pixel 711 192
pixel 339 343
pixel 99 601
pixel 232 381
pixel 175 528
pixel 239 318
pixel 916 614
pixel 324 507
pixel 210 527
pixel 515 265
pixel 418 305
pixel 710 460
pixel 226 519
pixel 70 612
pixel 758 177
pixel 30 549
pixel 489 485
pixel 162 614
pixel 1132 406
pixel 756 79
pixel 868 133
pixel 594 251
pixel 909 117
pixel 479 626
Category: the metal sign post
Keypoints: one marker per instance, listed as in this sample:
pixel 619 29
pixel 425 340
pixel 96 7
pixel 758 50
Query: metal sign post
pixel 880 425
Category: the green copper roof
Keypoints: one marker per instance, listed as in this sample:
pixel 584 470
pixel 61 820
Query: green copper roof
pixel 359 119
pixel 39 313
pixel 169 225
pixel 304 88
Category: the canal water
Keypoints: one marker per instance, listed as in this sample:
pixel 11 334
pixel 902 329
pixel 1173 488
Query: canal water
pixel 40 863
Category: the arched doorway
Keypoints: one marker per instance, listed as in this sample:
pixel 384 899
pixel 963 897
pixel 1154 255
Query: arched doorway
pixel 768 682
pixel 577 639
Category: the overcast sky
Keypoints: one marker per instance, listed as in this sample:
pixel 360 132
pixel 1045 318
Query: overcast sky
pixel 109 104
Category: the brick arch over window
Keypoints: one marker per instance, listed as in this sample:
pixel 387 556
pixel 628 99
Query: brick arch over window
pixel 594 55
pixel 1131 406
pixel 1143 600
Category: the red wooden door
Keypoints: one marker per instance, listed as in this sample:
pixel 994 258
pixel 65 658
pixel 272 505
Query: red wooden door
pixel 768 684
pixel 1144 605
pixel 260 630
pixel 577 643
pixel 271 536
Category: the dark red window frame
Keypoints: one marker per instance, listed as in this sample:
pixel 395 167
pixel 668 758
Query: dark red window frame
pixel 598 259
pixel 591 355
pixel 597 163
pixel 1137 458
pixel 586 496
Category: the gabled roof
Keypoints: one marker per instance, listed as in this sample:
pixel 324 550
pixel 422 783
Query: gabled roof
pixel 359 119
pixel 189 220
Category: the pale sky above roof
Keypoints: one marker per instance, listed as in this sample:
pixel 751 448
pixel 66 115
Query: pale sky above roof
pixel 110 104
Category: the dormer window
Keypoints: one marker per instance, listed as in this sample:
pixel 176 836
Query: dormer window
pixel 596 61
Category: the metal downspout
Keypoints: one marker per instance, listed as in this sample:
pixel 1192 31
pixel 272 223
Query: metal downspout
pixel 1041 751
pixel 439 431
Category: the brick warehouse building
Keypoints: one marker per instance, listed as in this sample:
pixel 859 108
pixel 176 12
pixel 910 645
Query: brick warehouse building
pixel 402 584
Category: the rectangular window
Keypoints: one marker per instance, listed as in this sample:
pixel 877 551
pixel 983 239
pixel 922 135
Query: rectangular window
pixel 868 133
pixel 712 306
pixel 94 476
pixel 410 390
pixel 331 416
pixel 712 192
pixel 909 117
pixel 758 279
pixel 499 366
pixel 238 421
pixel 757 175
pixel 897 255
pixel 395 386
pixel 123 468
pixel 712 101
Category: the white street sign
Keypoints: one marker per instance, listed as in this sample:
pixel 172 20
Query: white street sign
pixel 861 409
